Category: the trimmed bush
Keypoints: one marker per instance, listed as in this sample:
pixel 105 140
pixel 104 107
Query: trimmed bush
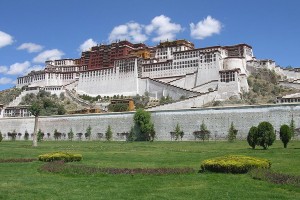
pixel 66 157
pixel 266 134
pixel 234 164
pixel 285 134
pixel 252 137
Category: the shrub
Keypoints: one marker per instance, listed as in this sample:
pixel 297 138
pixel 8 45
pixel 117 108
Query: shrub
pixel 40 135
pixel 79 135
pixel 252 137
pixel 88 133
pixel 12 135
pixel 144 128
pixel 292 127
pixel 108 133
pixel 178 133
pixel 266 134
pixel 232 132
pixel 70 134
pixel 57 135
pixel 131 136
pixel 285 134
pixel 203 134
pixel 234 164
pixel 1 137
pixel 26 135
pixel 66 157
pixel 118 107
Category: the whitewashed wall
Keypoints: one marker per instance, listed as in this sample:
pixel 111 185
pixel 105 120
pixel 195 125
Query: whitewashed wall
pixel 217 120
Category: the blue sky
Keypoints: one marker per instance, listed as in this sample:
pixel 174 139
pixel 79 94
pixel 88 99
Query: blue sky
pixel 32 31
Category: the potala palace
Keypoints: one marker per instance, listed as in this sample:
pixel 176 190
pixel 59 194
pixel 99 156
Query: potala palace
pixel 192 76
pixel 172 68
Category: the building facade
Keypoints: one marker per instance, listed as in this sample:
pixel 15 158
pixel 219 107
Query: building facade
pixel 170 68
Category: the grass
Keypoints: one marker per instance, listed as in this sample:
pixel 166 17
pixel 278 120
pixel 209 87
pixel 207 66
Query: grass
pixel 25 181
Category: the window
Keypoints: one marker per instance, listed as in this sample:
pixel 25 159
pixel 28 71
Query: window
pixel 227 76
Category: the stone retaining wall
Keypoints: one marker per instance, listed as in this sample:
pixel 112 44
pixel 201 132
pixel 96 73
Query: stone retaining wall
pixel 217 119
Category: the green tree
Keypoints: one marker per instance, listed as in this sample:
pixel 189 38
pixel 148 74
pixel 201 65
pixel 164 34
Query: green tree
pixel 252 137
pixel 118 107
pixel 232 132
pixel 88 132
pixel 70 134
pixel 108 133
pixel 40 135
pixel 1 137
pixel 178 132
pixel 285 134
pixel 35 109
pixel 144 128
pixel 292 127
pixel 203 134
pixel 266 134
pixel 131 136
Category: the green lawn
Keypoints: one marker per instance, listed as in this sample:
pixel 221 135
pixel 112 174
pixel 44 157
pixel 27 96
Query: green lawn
pixel 24 181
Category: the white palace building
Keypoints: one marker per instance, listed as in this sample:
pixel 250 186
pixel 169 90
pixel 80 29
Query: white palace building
pixel 174 68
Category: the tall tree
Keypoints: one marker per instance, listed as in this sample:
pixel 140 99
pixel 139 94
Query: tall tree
pixel 292 127
pixel 285 134
pixel 108 133
pixel 35 109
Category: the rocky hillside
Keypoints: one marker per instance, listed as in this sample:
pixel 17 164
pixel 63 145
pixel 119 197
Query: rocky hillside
pixel 9 95
pixel 263 89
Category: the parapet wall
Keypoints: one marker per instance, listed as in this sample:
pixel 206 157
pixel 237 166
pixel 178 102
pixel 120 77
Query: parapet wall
pixel 217 120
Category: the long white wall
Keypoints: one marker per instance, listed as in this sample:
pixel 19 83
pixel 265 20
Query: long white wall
pixel 217 120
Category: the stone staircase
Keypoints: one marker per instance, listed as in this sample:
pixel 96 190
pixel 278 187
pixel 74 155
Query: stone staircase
pixel 18 99
pixel 190 102
pixel 193 93
pixel 77 99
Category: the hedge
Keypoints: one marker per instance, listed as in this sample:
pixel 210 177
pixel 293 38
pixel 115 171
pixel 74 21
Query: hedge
pixel 234 164
pixel 66 157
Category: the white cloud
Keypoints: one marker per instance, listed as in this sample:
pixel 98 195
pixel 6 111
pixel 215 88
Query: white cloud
pixel 205 28
pixel 87 45
pixel 164 28
pixel 30 47
pixel 5 80
pixel 5 39
pixel 131 31
pixel 18 68
pixel 53 54
pixel 3 69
